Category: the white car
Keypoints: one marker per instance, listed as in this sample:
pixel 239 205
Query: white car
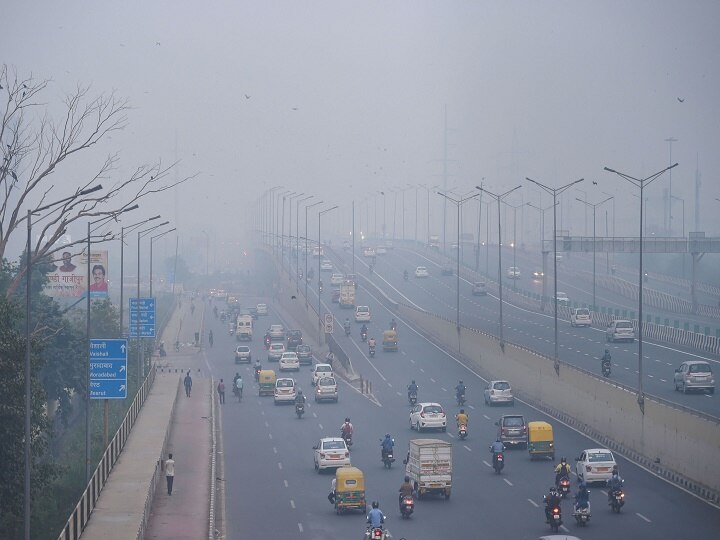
pixel 326 266
pixel 428 416
pixel 513 272
pixel 499 392
pixel 336 279
pixel 326 388
pixel 331 453
pixel 243 354
pixel 562 299
pixel 362 314
pixel 262 309
pixel 580 317
pixel 620 330
pixel 285 391
pixel 381 250
pixel 275 351
pixel 595 465
pixel 289 361
pixel 276 332
pixel 421 272
pixel 319 371
pixel 368 252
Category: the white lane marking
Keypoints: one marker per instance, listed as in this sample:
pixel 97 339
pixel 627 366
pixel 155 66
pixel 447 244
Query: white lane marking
pixel 403 353
pixel 262 413
pixel 564 528
pixel 638 514
pixel 533 503
pixel 603 492
pixel 320 426
pixel 663 380
pixel 266 424
pixel 286 483
pixel 473 408
pixel 508 482
pixel 486 463
pixel 466 447
pixel 432 380
pixel 486 417
pixel 443 389
pixel 390 385
pixel 708 396
pixel 398 393
pixel 422 370
pixel 292 504
pixel 412 360
pixel 450 435
pixel 314 415
pixel 300 527
pixel 270 435
pixel 274 449
pixel 280 465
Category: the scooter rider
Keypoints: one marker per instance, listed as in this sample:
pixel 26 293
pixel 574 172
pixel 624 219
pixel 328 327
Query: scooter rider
pixel 605 361
pixel 406 490
pixel 393 324
pixel 258 369
pixel 412 389
pixel 238 384
pixel 561 469
pixel 387 445
pixel 363 330
pixel 346 430
pixel 462 418
pixel 300 398
pixel 371 343
pixel 582 498
pixel 375 517
pixel 460 390
pixel 615 483
pixel 552 500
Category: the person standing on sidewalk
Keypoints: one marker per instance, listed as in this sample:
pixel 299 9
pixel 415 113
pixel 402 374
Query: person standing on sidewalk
pixel 188 384
pixel 170 473
pixel 221 391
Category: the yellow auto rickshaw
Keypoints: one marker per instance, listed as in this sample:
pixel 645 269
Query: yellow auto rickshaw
pixel 349 490
pixel 540 440
pixel 390 340
pixel 266 379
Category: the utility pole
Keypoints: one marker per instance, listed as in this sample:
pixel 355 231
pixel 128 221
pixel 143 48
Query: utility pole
pixel 669 220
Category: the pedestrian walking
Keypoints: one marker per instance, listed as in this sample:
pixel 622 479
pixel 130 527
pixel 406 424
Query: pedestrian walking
pixel 221 391
pixel 188 384
pixel 170 473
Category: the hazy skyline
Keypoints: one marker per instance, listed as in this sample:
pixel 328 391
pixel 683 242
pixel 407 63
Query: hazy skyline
pixel 348 98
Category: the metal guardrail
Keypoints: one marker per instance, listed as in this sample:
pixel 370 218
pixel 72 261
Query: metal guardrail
pixel 81 514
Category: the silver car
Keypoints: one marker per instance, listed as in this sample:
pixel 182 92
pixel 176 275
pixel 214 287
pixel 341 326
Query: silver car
pixel 498 392
pixel 326 389
pixel 694 375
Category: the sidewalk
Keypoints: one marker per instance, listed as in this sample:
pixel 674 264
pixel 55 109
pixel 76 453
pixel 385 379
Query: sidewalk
pixel 167 417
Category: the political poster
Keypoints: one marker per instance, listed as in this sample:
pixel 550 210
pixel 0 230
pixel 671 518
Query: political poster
pixel 69 277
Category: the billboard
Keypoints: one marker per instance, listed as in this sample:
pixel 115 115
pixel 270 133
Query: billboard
pixel 69 277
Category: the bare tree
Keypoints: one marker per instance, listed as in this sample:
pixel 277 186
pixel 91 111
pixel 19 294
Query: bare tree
pixel 33 146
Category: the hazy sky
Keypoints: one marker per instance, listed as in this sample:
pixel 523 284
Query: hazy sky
pixel 550 90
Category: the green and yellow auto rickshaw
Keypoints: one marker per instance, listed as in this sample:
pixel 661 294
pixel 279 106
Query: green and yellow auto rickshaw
pixel 266 379
pixel 349 490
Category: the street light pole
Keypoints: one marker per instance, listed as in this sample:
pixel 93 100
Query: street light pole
pixel 320 214
pixel 641 183
pixel 514 242
pixel 306 250
pixel 477 243
pixel 543 252
pixel 152 239
pixel 499 198
pixel 594 207
pixel 555 192
pixel 297 241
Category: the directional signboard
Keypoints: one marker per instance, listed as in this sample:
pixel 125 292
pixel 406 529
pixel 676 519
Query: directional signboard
pixel 108 368
pixel 142 317
pixel 328 323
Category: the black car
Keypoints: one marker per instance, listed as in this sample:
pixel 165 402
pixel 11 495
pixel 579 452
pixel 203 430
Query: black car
pixel 294 338
pixel 304 354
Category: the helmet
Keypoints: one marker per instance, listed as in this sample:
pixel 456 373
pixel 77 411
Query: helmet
pixel 553 489
pixel 498 439
pixel 563 460
pixel 375 504
pixel 462 411
pixel 460 382
pixel 413 381
pixel 347 419
pixel 407 478
pixel 387 435
pixel 299 392
pixel 607 352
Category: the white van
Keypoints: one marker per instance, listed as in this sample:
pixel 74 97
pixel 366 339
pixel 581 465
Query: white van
pixel 243 328
pixel 580 317
pixel 362 314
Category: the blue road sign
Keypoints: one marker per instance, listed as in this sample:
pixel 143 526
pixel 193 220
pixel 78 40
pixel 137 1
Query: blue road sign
pixel 108 368
pixel 142 317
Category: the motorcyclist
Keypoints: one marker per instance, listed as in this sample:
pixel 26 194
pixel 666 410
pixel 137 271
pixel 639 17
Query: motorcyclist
pixel 346 323
pixel 412 389
pixel 210 338
pixel 552 500
pixel 346 430
pixel 235 378
pixel 614 484
pixel 215 310
pixel 406 490
pixel 582 498
pixel 375 517
pixel 496 448
pixel 393 324
pixel 387 445
pixel 371 343
pixel 300 398
pixel 257 368
pixel 460 390
pixel 561 469
pixel 461 418
pixel 606 359
pixel 363 330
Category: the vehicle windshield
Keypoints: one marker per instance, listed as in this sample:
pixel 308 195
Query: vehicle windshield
pixel 421 268
pixel 583 312
pixel 276 347
pixel 323 369
pixel 433 409
pixel 285 383
pixel 513 421
pixel 327 381
pixel 700 368
pixel 363 309
pixel 333 445
pixel 276 328
pixel 623 324
pixel 600 456
pixel 502 385
pixel 243 348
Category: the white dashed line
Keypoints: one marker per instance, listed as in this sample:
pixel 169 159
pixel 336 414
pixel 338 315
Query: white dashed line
pixel 280 465
pixel 432 380
pixel 300 527
pixel 314 415
pixel 564 528
pixel 266 424
pixel 466 447
pixel 486 463
pixel 443 389
pixel 286 483
pixel 270 435
pixel 663 380
pixel 422 370
pixel 486 417
pixel 321 427
pixel 508 482
pixel 533 503
pixel 413 361
pixel 274 449
pixel 638 514
pixel 292 504
pixel 398 393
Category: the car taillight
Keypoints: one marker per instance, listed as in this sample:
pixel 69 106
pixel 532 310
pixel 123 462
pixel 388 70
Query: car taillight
pixel 347 454
pixel 492 392
pixel 377 533
pixel 504 431
pixel 588 468
pixel 524 429
pixel 556 510
pixel 322 455
pixel 422 415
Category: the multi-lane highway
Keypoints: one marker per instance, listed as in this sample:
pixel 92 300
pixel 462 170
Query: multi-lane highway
pixel 272 488
pixel 579 346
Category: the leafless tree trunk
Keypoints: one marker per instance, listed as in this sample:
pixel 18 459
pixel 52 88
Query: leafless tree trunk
pixel 32 150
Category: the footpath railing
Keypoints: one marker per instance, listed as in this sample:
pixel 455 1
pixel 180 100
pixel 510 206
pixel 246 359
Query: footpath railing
pixel 81 514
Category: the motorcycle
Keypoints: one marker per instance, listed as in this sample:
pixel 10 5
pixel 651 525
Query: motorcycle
pixel 299 409
pixel 376 533
pixel 412 398
pixel 564 486
pixel 460 399
pixel 347 437
pixel 617 500
pixel 363 336
pixel 498 462
pixel 407 506
pixel 555 518
pixel 387 458
pixel 582 515
pixel 462 432
pixel 257 374
pixel 606 369
pixel 393 326
pixel 231 331
pixel 371 351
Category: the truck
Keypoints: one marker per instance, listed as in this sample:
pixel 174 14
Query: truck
pixel 429 466
pixel 434 241
pixel 243 327
pixel 347 294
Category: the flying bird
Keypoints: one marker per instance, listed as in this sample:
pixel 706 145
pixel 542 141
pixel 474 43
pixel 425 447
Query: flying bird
pixel 294 108
pixel 594 183
pixel 681 100
pixel 157 43
pixel 246 96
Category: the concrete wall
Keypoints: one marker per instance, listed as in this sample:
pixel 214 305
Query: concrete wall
pixel 687 446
